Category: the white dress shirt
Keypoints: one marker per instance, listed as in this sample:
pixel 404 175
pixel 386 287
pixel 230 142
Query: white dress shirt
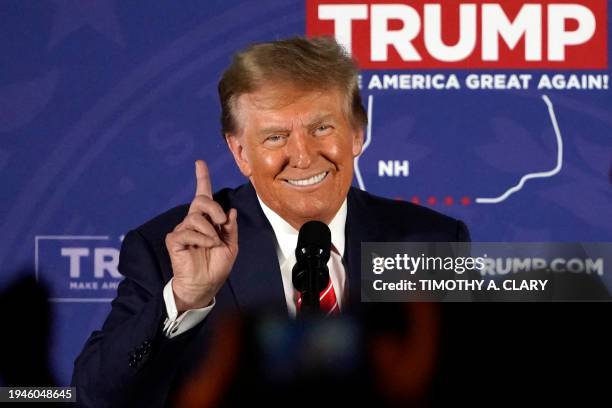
pixel 286 241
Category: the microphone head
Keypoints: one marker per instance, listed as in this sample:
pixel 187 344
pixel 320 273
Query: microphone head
pixel 314 234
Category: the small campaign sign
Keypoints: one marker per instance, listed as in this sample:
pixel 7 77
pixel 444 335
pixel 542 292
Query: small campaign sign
pixel 78 268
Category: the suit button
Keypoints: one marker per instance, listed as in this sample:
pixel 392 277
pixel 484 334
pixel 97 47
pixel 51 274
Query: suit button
pixel 133 359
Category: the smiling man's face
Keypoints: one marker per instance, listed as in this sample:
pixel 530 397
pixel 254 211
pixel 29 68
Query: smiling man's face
pixel 297 148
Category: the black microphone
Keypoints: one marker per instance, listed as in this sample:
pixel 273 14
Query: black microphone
pixel 310 274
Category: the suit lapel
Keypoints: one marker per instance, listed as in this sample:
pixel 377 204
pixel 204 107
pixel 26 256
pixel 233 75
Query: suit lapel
pixel 361 226
pixel 255 278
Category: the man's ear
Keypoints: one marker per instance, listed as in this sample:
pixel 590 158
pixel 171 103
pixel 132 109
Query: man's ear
pixel 358 140
pixel 236 146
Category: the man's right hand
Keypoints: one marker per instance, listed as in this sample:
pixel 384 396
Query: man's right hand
pixel 202 248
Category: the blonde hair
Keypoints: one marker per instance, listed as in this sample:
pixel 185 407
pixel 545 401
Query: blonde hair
pixel 307 63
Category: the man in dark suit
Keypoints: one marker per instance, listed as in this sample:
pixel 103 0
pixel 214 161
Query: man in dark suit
pixel 293 120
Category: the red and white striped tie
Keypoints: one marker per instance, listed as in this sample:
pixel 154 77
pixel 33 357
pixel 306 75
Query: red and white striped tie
pixel 327 300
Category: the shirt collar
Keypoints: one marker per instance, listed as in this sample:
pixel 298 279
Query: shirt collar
pixel 286 235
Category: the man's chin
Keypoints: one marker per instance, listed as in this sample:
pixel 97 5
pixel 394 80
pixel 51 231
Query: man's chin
pixel 297 207
pixel 302 215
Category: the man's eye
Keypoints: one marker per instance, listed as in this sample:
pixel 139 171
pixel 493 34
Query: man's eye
pixel 323 129
pixel 275 139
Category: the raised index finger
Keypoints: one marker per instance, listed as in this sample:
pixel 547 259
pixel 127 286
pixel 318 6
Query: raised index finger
pixel 203 185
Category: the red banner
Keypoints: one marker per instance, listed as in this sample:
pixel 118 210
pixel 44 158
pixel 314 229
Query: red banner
pixel 477 34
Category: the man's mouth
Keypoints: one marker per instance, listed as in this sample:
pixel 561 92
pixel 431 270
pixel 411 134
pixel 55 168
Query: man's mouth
pixel 317 178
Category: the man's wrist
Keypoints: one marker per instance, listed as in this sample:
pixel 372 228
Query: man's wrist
pixel 177 321
pixel 186 299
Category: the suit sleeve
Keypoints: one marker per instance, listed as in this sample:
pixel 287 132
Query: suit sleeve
pixel 130 358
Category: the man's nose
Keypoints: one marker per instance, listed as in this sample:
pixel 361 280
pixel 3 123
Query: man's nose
pixel 300 150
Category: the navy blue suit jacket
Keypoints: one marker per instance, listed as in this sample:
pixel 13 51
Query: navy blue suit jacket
pixel 130 357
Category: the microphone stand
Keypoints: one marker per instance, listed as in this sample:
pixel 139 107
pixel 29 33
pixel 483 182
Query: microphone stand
pixel 316 275
pixel 310 274
pixel 310 297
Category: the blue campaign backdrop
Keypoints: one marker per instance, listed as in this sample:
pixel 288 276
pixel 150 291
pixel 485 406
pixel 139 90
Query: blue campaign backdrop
pixel 104 106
